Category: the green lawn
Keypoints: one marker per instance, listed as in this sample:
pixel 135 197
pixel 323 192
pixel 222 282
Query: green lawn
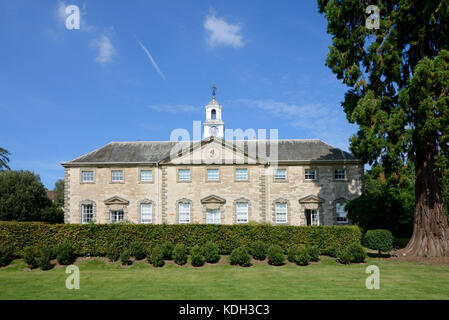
pixel 324 280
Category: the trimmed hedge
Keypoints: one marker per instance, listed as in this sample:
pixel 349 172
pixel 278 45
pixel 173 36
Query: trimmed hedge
pixel 94 240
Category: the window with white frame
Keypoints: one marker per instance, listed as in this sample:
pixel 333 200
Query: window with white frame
pixel 310 174
pixel 340 174
pixel 87 176
pixel 184 174
pixel 146 213
pixel 213 175
pixel 280 174
pixel 184 212
pixel 146 175
pixel 117 216
pixel 241 209
pixel 341 213
pixel 281 212
pixel 241 174
pixel 213 216
pixel 87 213
pixel 117 175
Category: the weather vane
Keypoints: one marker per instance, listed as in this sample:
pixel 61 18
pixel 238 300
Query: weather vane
pixel 214 88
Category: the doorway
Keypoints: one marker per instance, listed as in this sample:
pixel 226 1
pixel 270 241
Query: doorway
pixel 312 217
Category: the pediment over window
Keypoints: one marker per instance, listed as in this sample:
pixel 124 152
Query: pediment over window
pixel 311 199
pixel 116 200
pixel 213 199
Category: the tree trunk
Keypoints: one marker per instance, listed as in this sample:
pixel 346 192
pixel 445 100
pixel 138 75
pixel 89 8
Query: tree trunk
pixel 430 230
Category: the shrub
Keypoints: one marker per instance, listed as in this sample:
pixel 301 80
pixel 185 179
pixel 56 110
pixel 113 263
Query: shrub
pixel 211 252
pixel 196 256
pixel 65 254
pixel 240 256
pixel 332 251
pixel 344 256
pixel 275 255
pixel 96 239
pixel 167 250
pixel 44 258
pixel 180 254
pixel 357 252
pixel 125 257
pixel 380 240
pixel 157 256
pixel 113 252
pixel 314 253
pixel 291 253
pixel 5 256
pixel 29 256
pixel 137 250
pixel 302 257
pixel 259 250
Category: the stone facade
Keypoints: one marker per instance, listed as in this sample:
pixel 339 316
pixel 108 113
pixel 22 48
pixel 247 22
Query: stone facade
pixel 261 191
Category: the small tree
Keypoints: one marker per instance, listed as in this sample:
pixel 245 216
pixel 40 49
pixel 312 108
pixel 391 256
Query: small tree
pixel 4 159
pixel 381 240
pixel 59 193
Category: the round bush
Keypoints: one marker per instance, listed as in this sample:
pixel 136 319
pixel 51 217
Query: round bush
pixel 5 256
pixel 29 256
pixel 113 252
pixel 211 252
pixel 332 251
pixel 196 256
pixel 180 254
pixel 380 240
pixel 240 256
pixel 259 250
pixel 314 253
pixel 157 257
pixel 65 254
pixel 44 258
pixel 167 250
pixel 357 252
pixel 137 250
pixel 302 257
pixel 125 257
pixel 275 255
pixel 344 256
pixel 291 253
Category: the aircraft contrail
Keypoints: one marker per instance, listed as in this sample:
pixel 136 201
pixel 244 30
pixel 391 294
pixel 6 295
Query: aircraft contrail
pixel 151 59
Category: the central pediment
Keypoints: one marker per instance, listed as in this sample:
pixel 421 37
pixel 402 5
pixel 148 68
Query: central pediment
pixel 213 199
pixel 311 199
pixel 116 200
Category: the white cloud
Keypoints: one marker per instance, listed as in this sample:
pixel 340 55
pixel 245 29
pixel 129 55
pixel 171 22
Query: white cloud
pixel 174 108
pixel 106 50
pixel 152 60
pixel 221 33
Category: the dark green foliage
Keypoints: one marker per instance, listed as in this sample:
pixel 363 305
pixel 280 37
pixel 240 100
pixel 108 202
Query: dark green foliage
pixel 275 255
pixel 302 256
pixel 4 159
pixel 357 253
pixel 59 193
pixel 385 204
pixel 180 254
pixel 29 256
pixel 43 260
pixel 137 250
pixel 332 251
pixel 259 250
pixel 211 252
pixel 157 256
pixel 240 256
pixel 65 254
pixel 23 198
pixel 113 252
pixel 6 255
pixel 381 240
pixel 125 257
pixel 344 256
pixel 314 253
pixel 291 253
pixel 196 256
pixel 96 238
pixel 167 250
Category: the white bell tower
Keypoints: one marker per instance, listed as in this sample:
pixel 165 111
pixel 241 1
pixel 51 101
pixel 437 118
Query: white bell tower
pixel 214 126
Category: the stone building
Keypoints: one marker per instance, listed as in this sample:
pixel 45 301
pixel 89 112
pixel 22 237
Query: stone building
pixel 214 180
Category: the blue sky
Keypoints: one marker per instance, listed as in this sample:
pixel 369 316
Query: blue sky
pixel 136 70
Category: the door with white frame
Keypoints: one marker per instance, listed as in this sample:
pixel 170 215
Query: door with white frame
pixel 312 217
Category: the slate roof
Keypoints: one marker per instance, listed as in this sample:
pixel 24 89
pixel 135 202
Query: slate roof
pixel 289 150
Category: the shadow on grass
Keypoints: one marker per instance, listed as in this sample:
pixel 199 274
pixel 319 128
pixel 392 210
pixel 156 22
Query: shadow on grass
pixel 376 255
